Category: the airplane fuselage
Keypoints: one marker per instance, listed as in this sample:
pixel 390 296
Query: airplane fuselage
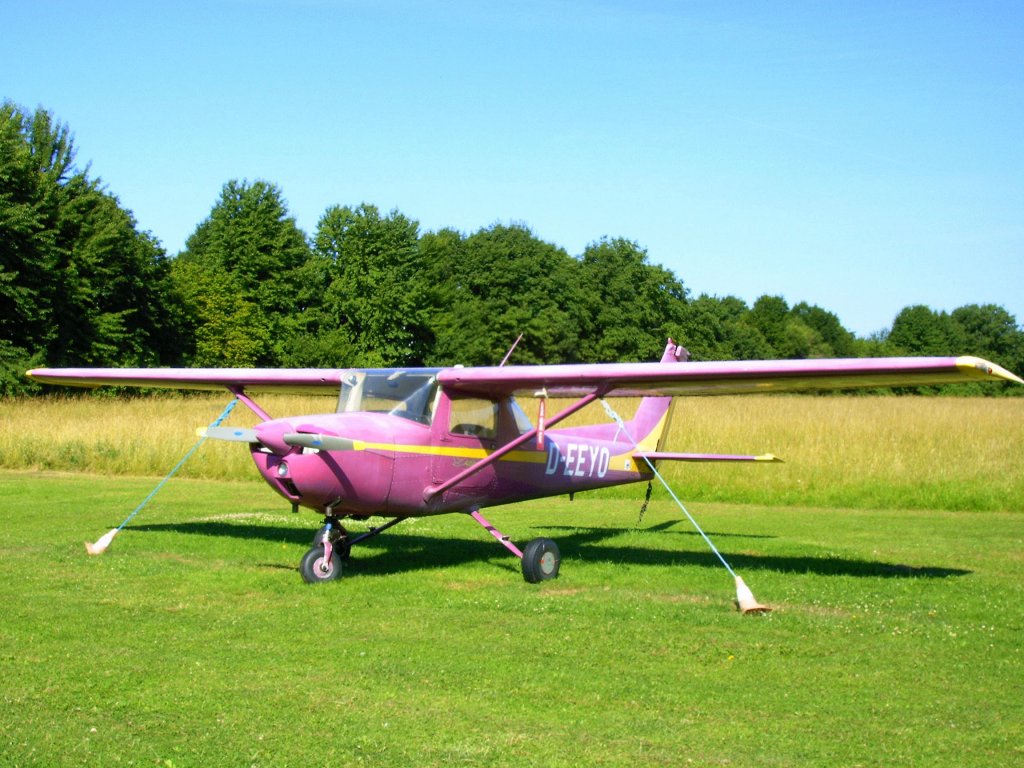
pixel 395 464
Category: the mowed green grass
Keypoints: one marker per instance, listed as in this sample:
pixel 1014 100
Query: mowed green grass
pixel 896 637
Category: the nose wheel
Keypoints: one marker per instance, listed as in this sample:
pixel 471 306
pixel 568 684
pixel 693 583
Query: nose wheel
pixel 331 547
pixel 318 565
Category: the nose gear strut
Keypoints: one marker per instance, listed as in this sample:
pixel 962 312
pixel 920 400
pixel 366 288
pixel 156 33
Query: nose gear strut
pixel 332 546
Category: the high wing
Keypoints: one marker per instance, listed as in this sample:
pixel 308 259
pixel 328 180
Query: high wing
pixel 719 378
pixel 604 379
pixel 283 380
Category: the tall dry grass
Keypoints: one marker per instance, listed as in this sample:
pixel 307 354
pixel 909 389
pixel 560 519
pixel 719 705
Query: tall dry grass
pixel 925 452
pixel 132 436
pixel 928 452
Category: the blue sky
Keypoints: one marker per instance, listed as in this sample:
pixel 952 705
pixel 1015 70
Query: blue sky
pixel 860 156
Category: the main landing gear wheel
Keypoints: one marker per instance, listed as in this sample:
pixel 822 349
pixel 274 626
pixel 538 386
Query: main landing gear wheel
pixel 315 568
pixel 541 560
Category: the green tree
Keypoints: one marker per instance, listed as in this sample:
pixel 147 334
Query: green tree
pixel 991 332
pixel 375 307
pixel 228 329
pixel 251 253
pixel 802 332
pixel 631 306
pixel 79 285
pixel 769 315
pixel 716 328
pixel 500 282
pixel 833 339
pixel 919 330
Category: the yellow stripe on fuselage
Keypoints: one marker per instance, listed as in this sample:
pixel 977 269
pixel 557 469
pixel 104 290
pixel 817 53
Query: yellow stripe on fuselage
pixel 529 457
pixel 622 462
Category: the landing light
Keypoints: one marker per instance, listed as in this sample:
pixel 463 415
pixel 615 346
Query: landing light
pixel 282 469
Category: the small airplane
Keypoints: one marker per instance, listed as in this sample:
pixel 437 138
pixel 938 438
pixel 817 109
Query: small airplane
pixel 411 442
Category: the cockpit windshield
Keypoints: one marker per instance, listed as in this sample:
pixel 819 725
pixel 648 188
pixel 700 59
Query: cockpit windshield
pixel 408 393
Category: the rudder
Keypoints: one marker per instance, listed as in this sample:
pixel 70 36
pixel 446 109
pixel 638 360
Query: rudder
pixel 650 424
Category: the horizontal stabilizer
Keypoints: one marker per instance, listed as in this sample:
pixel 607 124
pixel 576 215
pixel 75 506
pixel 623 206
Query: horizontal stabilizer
pixel 319 442
pixel 654 456
pixel 231 434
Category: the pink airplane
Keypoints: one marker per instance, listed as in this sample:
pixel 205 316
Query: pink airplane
pixel 411 442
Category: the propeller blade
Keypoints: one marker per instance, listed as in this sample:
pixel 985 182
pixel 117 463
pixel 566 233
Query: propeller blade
pixel 319 442
pixel 231 434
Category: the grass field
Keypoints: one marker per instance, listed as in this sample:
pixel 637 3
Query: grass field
pixel 896 637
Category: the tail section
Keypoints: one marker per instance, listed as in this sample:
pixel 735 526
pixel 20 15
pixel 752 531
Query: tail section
pixel 650 424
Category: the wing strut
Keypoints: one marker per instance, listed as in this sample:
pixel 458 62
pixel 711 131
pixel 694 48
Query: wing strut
pixel 239 392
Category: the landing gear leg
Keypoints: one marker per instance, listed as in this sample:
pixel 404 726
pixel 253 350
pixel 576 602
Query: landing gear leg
pixel 334 532
pixel 331 547
pixel 323 562
pixel 540 559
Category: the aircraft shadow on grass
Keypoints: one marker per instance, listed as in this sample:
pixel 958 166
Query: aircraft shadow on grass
pixel 401 551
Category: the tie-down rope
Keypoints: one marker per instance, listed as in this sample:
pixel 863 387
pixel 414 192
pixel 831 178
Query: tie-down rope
pixel 622 425
pixel 104 541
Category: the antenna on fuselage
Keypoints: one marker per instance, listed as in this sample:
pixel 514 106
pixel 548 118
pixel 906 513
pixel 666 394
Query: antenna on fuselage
pixel 510 351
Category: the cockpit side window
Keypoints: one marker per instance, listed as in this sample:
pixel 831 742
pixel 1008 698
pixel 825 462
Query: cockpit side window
pixel 475 417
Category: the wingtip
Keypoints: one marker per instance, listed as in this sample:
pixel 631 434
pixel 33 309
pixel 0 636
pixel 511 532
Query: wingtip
pixel 975 366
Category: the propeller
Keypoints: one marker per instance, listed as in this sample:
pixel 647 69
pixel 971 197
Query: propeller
pixel 313 440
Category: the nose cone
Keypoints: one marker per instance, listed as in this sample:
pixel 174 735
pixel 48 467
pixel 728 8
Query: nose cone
pixel 309 461
pixel 271 434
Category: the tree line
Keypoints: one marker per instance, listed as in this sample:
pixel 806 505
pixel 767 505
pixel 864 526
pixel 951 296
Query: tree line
pixel 82 285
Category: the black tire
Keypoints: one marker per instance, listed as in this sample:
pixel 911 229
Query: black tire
pixel 312 566
pixel 541 560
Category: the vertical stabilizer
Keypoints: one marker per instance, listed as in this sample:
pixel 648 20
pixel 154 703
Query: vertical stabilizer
pixel 650 424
